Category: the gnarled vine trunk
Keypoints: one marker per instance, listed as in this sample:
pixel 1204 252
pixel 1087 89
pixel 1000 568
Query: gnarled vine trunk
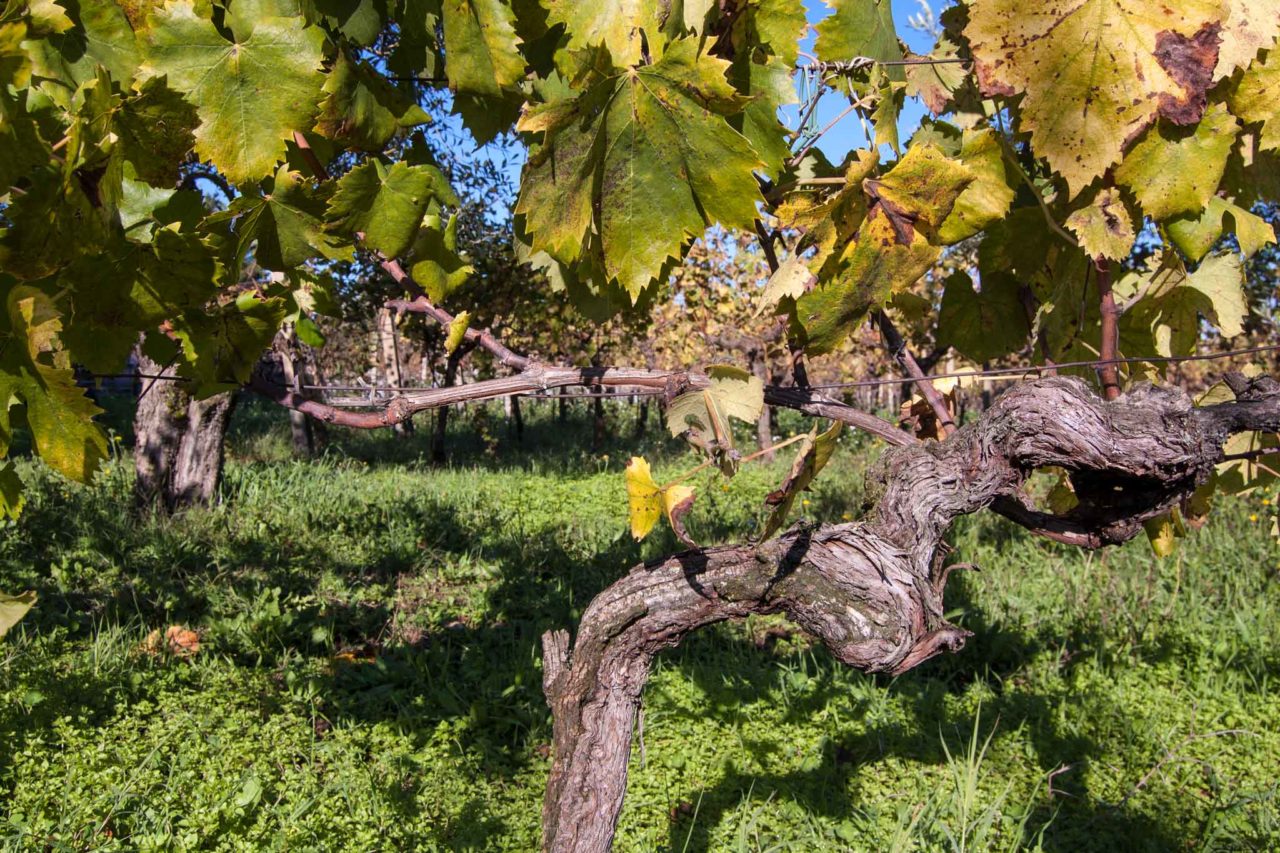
pixel 871 590
pixel 178 442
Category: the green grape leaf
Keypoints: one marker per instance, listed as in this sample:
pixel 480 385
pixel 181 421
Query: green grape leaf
pixel 1256 99
pixel 1251 26
pixel 155 131
pixel 54 223
pixel 1095 72
pixel 35 375
pixel 734 393
pixel 283 227
pixel 1196 235
pixel 814 453
pixel 360 108
pixel 987 199
pixel 11 499
pixel 982 325
pixel 895 244
pixel 1104 226
pixel 386 204
pixel 770 87
pixel 861 28
pixel 481 46
pixel 1168 314
pixel 101 36
pixel 644 159
pixel 884 117
pixel 437 267
pixel 222 345
pixel 619 26
pixel 1174 170
pixel 359 20
pixel 132 288
pixel 251 92
pixel 13 608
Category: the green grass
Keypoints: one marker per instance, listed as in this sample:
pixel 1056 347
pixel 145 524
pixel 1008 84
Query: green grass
pixel 369 675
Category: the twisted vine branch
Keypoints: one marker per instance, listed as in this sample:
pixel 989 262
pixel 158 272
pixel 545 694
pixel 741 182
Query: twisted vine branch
pixel 871 591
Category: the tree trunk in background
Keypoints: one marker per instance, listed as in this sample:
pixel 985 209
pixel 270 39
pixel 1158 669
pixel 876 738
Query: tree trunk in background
pixel 642 418
pixel 178 444
pixel 562 405
pixel 599 425
pixel 517 418
pixel 304 443
pixel 438 455
pixel 387 356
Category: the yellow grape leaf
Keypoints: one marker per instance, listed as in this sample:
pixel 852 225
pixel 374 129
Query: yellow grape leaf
pixel 1163 532
pixel 1095 72
pixel 676 501
pixel 1257 99
pixel 1251 26
pixel 13 608
pixel 1104 226
pixel 644 498
pixel 457 331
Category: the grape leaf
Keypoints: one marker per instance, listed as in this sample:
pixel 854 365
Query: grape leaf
pixel 457 331
pixel 644 498
pixel 101 36
pixel 11 499
pixel 982 325
pixel 985 201
pixel 1104 226
pixel 620 25
pixel 13 608
pixel 829 220
pixel 1251 26
pixel 1174 170
pixel 1095 72
pixel 251 92
pixel 360 108
pixel 790 281
pixel 894 245
pixel 284 223
pixel 130 288
pixel 437 267
pixel 1256 98
pixel 936 83
pixel 814 453
pixel 734 393
pixel 861 28
pixel 480 44
pixel 386 204
pixel 1196 235
pixel 221 346
pixel 1169 313
pixel 37 377
pixel 646 159
pixel 770 87
pixel 54 223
